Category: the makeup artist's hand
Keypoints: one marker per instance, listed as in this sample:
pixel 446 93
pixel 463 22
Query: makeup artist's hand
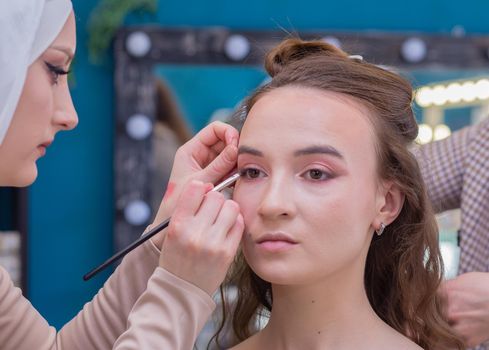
pixel 467 309
pixel 203 236
pixel 208 157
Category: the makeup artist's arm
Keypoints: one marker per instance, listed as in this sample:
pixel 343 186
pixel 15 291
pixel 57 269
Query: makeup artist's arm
pixel 103 319
pixel 208 157
pixel 201 242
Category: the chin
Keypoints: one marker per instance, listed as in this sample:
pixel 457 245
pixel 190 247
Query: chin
pixel 284 275
pixel 24 178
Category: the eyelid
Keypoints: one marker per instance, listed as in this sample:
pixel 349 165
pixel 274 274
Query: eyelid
pixel 56 69
pixel 329 173
pixel 243 172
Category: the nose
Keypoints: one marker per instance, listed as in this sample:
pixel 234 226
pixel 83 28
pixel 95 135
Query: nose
pixel 277 199
pixel 65 115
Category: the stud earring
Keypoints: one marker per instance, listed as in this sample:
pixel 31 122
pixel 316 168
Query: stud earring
pixel 381 229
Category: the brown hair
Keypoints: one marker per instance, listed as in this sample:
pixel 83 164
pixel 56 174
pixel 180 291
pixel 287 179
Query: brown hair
pixel 404 268
pixel 168 112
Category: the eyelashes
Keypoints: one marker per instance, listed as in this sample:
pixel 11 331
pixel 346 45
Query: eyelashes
pixel 250 173
pixel 56 71
pixel 312 174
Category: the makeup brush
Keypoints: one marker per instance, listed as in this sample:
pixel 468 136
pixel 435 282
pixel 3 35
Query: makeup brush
pixel 227 182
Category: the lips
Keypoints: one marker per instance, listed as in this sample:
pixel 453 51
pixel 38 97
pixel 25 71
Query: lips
pixel 46 144
pixel 275 243
pixel 276 237
pixel 42 147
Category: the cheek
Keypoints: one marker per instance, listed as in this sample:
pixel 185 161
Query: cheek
pixel 36 104
pixel 341 218
pixel 37 98
pixel 246 196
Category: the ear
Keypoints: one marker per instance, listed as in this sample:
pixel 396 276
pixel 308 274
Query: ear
pixel 390 200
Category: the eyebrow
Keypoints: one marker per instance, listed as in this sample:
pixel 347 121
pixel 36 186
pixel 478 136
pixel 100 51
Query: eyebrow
pixel 66 51
pixel 321 149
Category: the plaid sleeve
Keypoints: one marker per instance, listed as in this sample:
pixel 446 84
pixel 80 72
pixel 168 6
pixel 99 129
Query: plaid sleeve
pixel 442 165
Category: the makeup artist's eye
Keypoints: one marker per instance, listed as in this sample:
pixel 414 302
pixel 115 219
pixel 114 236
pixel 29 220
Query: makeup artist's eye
pixel 251 173
pixel 317 175
pixel 55 71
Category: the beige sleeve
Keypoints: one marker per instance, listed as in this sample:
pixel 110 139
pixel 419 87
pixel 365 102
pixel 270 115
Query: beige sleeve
pixel 21 326
pixel 168 315
pixel 97 326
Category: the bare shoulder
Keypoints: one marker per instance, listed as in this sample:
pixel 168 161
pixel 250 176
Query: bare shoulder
pixel 395 340
pixel 406 344
pixel 248 344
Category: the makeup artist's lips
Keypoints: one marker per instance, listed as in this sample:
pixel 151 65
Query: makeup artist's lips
pixel 275 242
pixel 42 147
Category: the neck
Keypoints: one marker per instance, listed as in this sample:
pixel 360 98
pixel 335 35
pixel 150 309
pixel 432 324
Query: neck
pixel 330 314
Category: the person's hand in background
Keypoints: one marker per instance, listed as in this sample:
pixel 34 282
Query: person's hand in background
pixel 467 306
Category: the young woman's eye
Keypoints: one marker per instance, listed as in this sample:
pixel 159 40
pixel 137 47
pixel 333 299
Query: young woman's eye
pixel 56 71
pixel 251 173
pixel 317 175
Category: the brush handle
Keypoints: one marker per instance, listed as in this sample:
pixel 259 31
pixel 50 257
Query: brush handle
pixel 229 181
pixel 126 250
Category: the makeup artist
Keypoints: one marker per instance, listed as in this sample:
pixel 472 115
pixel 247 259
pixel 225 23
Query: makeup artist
pixel 37 44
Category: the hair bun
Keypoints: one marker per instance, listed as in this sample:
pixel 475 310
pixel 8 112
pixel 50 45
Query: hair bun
pixel 292 50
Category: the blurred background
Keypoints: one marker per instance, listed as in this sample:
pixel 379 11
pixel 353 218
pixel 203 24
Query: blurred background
pixel 69 213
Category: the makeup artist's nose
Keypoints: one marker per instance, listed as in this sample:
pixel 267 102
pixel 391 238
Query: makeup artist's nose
pixel 65 115
pixel 276 201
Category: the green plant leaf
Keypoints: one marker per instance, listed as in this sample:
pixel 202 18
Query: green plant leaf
pixel 106 18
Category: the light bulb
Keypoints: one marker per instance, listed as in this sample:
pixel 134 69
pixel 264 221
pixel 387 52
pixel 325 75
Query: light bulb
pixel 424 96
pixel 332 41
pixel 138 44
pixel 137 212
pixel 441 132
pixel 139 126
pixel 425 134
pixel 237 47
pixel 414 50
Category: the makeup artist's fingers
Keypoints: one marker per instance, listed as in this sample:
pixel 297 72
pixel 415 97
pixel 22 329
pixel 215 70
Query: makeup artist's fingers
pixel 209 141
pixel 233 238
pixel 211 207
pixel 200 248
pixel 226 218
pixel 191 199
pixel 216 132
pixel 221 165
pixel 183 206
pixel 208 156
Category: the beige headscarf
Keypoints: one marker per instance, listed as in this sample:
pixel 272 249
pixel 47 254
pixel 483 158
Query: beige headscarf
pixel 27 28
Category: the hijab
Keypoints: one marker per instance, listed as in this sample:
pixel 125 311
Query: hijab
pixel 27 28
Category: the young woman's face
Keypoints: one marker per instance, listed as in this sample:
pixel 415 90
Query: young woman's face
pixel 45 107
pixel 309 189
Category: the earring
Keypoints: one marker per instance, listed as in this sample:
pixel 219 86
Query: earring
pixel 381 229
